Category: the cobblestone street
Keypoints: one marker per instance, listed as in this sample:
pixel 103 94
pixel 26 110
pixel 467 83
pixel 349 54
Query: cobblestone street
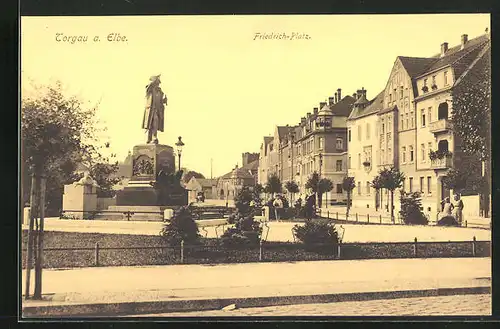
pixel 462 305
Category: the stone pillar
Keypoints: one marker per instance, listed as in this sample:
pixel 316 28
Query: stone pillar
pixel 80 198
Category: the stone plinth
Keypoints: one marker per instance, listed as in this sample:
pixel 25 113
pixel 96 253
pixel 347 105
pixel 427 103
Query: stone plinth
pixel 150 164
pixel 80 198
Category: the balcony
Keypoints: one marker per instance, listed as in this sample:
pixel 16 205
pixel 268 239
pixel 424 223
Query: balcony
pixel 440 126
pixel 443 163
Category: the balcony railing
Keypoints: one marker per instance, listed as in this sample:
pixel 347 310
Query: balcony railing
pixel 443 163
pixel 440 126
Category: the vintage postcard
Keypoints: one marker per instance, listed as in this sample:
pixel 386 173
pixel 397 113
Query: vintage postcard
pixel 255 166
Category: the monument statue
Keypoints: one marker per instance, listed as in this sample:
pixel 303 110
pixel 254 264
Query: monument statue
pixel 154 113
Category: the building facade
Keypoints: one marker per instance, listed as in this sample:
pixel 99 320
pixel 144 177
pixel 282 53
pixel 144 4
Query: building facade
pixel 317 144
pixel 228 185
pixel 411 118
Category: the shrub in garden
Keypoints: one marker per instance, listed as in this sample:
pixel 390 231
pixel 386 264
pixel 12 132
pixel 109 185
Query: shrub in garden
pixel 411 209
pixel 246 230
pixel 317 235
pixel 448 221
pixel 181 227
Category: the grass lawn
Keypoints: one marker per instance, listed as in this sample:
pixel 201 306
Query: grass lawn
pixel 210 253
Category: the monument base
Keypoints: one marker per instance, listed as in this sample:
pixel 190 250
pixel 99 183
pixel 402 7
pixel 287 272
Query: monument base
pixel 134 213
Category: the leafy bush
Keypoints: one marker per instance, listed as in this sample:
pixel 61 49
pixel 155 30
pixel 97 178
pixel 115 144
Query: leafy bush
pixel 411 209
pixel 316 235
pixel 448 221
pixel 181 227
pixel 246 230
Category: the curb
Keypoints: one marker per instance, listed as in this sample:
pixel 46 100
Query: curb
pixel 152 307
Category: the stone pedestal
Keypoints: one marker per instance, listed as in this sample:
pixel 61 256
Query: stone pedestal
pixel 150 164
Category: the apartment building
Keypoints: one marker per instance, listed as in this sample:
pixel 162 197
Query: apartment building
pixel 411 118
pixel 317 144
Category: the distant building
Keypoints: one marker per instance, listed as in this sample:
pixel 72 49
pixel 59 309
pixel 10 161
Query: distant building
pixel 294 152
pixel 246 175
pixel 196 185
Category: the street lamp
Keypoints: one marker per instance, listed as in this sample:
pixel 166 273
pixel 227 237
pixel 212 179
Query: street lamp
pixel 320 163
pixel 179 145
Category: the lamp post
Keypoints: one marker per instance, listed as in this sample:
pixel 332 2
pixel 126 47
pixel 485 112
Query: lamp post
pixel 179 145
pixel 320 164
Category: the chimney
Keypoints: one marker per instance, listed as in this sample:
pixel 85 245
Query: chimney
pixel 302 120
pixel 354 95
pixel 363 91
pixel 315 110
pixel 465 38
pixel 331 100
pixel 308 115
pixel 444 48
pixel 336 97
pixel 339 94
pixel 322 104
pixel 359 92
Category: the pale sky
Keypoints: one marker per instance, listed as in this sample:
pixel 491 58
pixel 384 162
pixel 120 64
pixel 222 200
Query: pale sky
pixel 226 90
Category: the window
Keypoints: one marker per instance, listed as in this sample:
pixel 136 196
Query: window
pixel 402 122
pixel 429 114
pixel 423 118
pixel 403 154
pixel 359 132
pixel 411 153
pixel 349 135
pixel 411 120
pixel 339 143
pixel 389 153
pixel 401 93
pixel 349 163
pixel 389 124
pixel 382 156
pixel 338 165
pixel 422 150
pixel 425 82
pixel 359 188
pixel 339 188
pixel 367 131
pixel 406 117
pixel 411 184
pixel 429 184
pixel 445 78
pixel 433 80
pixel 359 160
pixel 321 142
pixel 367 187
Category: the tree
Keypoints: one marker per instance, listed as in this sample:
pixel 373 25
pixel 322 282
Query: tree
pixel 312 182
pixel 57 132
pixel 292 188
pixel 348 185
pixel 105 178
pixel 411 208
pixel 471 117
pixel 324 185
pixel 391 179
pixel 190 174
pixel 455 180
pixel 257 192
pixel 181 227
pixel 377 185
pixel 273 184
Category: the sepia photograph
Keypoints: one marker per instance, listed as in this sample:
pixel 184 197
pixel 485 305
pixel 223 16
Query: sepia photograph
pixel 255 166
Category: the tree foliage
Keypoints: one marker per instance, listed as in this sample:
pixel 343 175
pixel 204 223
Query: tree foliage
pixel 471 115
pixel 313 182
pixel 348 185
pixel 273 184
pixel 190 174
pixel 292 187
pixel 411 209
pixel 181 227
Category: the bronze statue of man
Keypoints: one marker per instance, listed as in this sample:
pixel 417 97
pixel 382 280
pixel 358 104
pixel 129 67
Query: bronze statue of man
pixel 154 113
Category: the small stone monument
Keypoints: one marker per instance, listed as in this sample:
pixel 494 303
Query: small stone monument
pixel 80 198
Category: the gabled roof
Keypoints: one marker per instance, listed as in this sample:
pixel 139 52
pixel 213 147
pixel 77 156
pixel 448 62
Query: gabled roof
pixel 415 66
pixel 458 56
pixel 343 107
pixel 482 60
pixel 283 132
pixel 375 105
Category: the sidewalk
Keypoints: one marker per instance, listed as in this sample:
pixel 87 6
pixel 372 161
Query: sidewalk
pixel 136 290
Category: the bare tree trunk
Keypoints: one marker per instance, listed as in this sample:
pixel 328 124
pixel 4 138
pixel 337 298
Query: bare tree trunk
pixel 348 203
pixel 39 260
pixel 29 247
pixel 392 206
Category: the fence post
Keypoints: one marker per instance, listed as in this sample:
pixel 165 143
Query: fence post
pixel 415 247
pixel 356 217
pixel 328 214
pixel 182 251
pixel 380 218
pixel 368 217
pixel 260 250
pixel 465 223
pixel 474 246
pixel 338 250
pixel 337 215
pixel 96 260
